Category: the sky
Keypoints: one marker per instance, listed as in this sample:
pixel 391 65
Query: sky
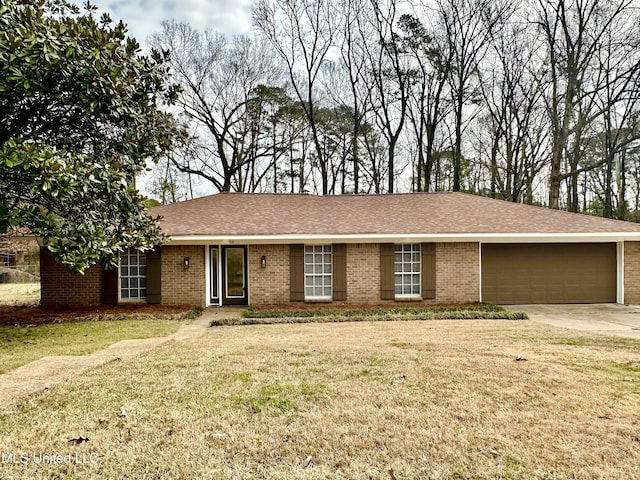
pixel 144 17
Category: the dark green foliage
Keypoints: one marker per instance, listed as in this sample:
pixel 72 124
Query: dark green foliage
pixel 350 312
pixel 79 119
pixel 466 312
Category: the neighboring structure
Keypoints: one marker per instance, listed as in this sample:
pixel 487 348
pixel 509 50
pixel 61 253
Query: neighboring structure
pixel 234 248
pixel 19 257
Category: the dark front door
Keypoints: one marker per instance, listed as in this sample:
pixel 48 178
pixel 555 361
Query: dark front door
pixel 234 275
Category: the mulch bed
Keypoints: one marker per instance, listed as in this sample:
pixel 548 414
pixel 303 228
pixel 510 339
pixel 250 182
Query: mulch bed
pixel 29 315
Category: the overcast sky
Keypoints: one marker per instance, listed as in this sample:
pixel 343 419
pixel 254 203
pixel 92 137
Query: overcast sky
pixel 144 17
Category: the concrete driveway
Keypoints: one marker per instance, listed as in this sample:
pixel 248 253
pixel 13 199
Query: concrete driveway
pixel 604 318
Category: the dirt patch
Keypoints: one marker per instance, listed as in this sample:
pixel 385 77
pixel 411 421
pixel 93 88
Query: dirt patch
pixel 23 315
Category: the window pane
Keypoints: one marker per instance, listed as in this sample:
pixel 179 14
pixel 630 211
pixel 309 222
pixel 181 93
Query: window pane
pixel 407 269
pixel 133 273
pixel 317 279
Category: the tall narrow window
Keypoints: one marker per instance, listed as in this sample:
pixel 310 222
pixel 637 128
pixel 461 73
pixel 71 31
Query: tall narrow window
pixel 133 276
pixel 407 270
pixel 317 272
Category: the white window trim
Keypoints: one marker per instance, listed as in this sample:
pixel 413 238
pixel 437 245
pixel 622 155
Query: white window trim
pixel 136 299
pixel 409 296
pixel 330 275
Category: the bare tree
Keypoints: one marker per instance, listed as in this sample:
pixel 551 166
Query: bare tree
pixel 428 106
pixel 513 111
pixel 301 32
pixel 217 78
pixel 389 73
pixel 467 27
pixel 574 32
pixel 354 35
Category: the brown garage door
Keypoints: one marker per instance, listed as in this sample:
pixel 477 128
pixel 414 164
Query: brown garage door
pixel 549 273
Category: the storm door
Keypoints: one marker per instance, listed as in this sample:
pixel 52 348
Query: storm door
pixel 234 275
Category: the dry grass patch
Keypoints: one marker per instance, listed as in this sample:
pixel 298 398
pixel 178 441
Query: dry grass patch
pixel 20 344
pixel 19 293
pixel 403 400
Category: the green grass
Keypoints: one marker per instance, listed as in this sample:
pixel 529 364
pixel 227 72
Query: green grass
pixel 20 345
pixel 475 312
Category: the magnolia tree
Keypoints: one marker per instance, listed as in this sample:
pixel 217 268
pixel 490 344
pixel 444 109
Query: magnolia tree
pixel 81 116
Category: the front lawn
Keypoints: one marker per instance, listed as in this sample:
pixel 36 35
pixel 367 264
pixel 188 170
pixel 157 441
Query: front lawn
pixel 381 400
pixel 19 293
pixel 76 335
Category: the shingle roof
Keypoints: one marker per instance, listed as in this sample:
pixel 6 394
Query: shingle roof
pixel 242 214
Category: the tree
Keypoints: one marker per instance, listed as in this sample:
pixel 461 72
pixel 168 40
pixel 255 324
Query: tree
pixel 390 75
pixel 575 33
pixel 354 37
pixel 217 78
pixel 80 118
pixel 467 28
pixel 301 32
pixel 512 94
pixel 427 93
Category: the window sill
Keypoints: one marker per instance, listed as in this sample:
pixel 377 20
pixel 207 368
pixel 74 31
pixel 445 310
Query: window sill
pixel 408 299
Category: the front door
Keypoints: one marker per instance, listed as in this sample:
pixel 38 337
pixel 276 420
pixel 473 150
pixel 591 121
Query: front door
pixel 234 275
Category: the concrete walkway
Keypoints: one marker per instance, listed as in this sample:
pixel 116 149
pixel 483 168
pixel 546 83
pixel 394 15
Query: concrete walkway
pixel 603 318
pixel 48 371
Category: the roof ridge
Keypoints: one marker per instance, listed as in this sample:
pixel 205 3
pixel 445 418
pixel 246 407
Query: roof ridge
pixel 564 212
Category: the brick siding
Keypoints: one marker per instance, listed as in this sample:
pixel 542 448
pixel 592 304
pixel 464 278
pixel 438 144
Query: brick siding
pixel 457 276
pixel 632 272
pixel 269 285
pixel 181 286
pixel 62 288
pixel 363 273
pixel 457 272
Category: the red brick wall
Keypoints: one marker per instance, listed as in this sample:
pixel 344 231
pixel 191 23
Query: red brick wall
pixel 61 288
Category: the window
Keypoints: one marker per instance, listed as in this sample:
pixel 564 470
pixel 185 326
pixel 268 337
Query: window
pixel 317 272
pixel 133 276
pixel 407 270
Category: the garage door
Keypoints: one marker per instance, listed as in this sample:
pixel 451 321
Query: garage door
pixel 549 273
